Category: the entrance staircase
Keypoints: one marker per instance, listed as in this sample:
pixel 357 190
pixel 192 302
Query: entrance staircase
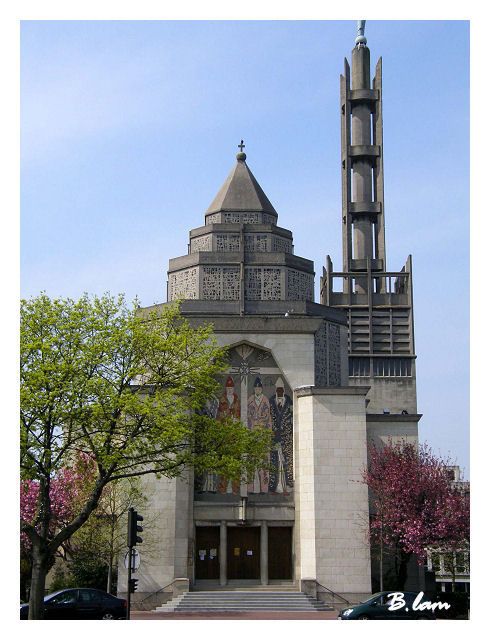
pixel 246 600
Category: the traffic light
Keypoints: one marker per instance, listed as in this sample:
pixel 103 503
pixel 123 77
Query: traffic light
pixel 133 585
pixel 134 528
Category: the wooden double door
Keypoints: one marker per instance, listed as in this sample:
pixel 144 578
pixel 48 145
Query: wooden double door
pixel 243 553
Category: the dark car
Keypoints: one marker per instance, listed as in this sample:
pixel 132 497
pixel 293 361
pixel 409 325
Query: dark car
pixel 410 606
pixel 80 604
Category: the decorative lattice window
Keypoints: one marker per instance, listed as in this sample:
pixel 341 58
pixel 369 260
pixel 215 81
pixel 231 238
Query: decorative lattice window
pixel 300 285
pixel 253 283
pixel 321 356
pixel 250 218
pixel 263 283
pixel 334 374
pixel 183 284
pixel 227 242
pixel 281 244
pixel 213 218
pixel 221 283
pixel 211 283
pixel 268 219
pixel 327 355
pixel 231 217
pixel 256 242
pixel 201 244
pixel 271 284
pixel 231 283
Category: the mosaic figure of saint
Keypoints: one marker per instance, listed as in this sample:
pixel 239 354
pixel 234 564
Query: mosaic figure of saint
pixel 281 406
pixel 229 403
pixel 259 415
pixel 229 407
pixel 209 480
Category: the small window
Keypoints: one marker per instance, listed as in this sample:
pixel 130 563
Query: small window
pixel 392 367
pixel 359 367
pixel 460 563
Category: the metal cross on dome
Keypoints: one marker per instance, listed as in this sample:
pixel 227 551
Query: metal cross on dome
pixel 241 145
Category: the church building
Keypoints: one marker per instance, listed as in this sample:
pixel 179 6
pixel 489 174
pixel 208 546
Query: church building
pixel 325 376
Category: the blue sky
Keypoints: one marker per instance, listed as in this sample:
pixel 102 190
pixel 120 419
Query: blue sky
pixel 130 128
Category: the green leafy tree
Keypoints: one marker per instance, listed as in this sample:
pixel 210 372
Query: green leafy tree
pixel 126 389
pixel 103 538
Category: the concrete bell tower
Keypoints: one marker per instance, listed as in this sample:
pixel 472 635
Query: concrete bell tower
pixel 378 302
pixel 362 164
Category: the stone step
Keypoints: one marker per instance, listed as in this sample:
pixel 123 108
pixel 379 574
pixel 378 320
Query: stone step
pixel 247 602
pixel 265 605
pixel 238 609
pixel 198 588
pixel 263 600
pixel 241 601
pixel 241 594
pixel 244 594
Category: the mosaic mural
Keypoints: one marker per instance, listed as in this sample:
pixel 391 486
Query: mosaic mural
pixel 255 391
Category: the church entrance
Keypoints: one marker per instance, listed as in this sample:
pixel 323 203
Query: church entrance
pixel 280 553
pixel 243 553
pixel 207 553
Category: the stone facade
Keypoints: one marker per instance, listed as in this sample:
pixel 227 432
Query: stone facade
pixel 325 378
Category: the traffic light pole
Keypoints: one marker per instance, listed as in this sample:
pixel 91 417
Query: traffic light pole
pixel 133 539
pixel 130 570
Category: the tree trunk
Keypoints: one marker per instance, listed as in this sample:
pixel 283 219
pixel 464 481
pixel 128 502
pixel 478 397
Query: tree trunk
pixel 40 565
pixel 381 568
pixel 109 575
pixel 111 557
pixel 402 570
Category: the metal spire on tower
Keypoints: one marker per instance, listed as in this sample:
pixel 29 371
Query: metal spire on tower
pixel 361 40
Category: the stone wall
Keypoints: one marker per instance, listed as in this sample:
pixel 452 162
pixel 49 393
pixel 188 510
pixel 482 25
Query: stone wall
pixel 331 503
pixel 165 549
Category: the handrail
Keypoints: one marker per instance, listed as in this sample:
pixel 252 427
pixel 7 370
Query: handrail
pixel 159 590
pixel 332 592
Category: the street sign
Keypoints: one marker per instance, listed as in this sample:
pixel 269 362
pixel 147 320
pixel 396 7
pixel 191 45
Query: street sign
pixel 136 560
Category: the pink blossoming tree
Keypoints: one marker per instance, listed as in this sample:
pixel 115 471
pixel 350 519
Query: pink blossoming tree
pixel 413 504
